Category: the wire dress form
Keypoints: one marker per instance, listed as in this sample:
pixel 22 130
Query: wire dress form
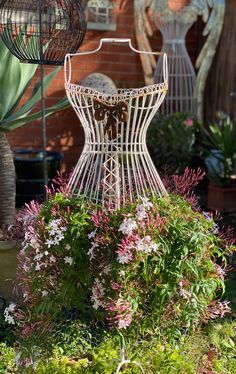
pixel 182 77
pixel 115 166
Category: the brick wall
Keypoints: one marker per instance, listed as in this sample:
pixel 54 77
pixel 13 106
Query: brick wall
pixel 64 134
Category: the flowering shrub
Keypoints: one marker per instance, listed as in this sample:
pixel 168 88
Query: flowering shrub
pixel 156 267
pixel 171 141
pixel 146 269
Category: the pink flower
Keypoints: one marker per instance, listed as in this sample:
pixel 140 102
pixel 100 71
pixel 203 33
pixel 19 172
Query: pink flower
pixel 116 286
pixel 119 313
pixel 220 272
pixel 216 309
pixel 98 292
pixel 124 251
pixel 188 122
pixel 100 219
pixel 128 226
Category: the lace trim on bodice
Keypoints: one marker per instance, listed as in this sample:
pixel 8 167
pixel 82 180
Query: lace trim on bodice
pixel 122 94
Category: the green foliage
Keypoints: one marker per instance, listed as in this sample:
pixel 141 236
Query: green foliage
pixel 210 349
pixel 7 359
pixel 171 140
pixel 159 280
pixel 220 136
pixel 15 79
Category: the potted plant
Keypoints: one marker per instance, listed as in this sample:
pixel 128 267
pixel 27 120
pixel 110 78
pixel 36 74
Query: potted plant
pixel 171 140
pixel 15 79
pixel 220 148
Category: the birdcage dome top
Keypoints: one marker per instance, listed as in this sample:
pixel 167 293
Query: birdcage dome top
pixel 42 31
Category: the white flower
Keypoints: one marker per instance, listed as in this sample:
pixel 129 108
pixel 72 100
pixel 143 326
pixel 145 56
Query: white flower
pixel 146 245
pixel 92 234
pixel 38 257
pixel 123 324
pixel 26 268
pixel 106 270
pixel 38 267
pixel 141 209
pixel 46 253
pixel 128 226
pixel 52 258
pixel 7 314
pixel 68 247
pixel 60 236
pixel 141 214
pixel 97 292
pixel 68 260
pixel 49 242
pixel 146 203
pixel 124 258
pixel 122 273
pixel 91 250
pixel 11 307
pixel 44 293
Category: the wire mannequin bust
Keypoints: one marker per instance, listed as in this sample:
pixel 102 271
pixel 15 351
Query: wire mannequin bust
pixel 115 166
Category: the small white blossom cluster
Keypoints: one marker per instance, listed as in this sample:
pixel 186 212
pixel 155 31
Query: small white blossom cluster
pixel 30 239
pixel 56 232
pixel 94 245
pixel 8 314
pixel 146 245
pixel 141 210
pixel 187 295
pixel 125 256
pixel 68 260
pixel 98 291
pixel 41 259
pixel 128 226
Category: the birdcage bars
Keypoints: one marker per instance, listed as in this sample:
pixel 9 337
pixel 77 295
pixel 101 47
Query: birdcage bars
pixel 42 31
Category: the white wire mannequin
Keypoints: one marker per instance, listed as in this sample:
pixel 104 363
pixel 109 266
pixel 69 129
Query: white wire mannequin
pixel 182 77
pixel 115 165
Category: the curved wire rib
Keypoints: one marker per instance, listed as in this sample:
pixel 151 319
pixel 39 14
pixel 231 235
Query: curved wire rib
pixel 115 165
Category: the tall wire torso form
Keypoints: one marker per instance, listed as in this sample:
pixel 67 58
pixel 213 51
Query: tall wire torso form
pixel 115 166
pixel 182 77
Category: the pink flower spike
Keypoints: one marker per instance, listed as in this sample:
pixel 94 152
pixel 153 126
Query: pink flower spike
pixel 188 122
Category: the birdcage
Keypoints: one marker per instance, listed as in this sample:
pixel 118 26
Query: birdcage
pixel 42 31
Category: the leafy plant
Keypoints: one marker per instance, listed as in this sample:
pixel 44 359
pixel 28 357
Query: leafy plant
pixel 7 359
pixel 148 269
pixel 211 349
pixel 220 147
pixel 171 141
pixel 15 79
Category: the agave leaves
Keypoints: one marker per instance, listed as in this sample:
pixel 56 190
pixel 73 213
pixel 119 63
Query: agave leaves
pixel 14 81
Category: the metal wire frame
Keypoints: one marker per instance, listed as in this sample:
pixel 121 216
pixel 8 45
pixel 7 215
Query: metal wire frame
pixel 182 77
pixel 42 31
pixel 112 170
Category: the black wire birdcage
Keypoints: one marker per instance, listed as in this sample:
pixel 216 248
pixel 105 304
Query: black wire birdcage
pixel 42 31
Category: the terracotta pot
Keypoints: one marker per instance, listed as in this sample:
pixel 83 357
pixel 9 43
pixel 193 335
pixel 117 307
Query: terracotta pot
pixel 177 5
pixel 8 263
pixel 222 199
